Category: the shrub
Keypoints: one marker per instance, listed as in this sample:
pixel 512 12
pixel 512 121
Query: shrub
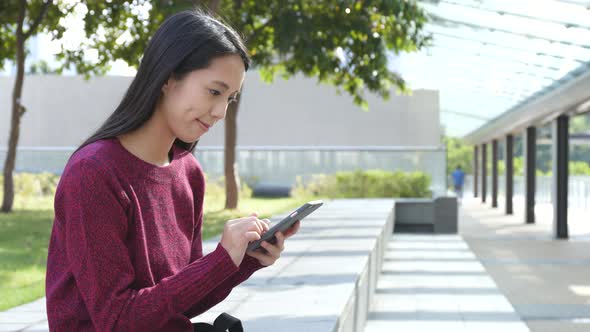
pixel 216 188
pixel 579 168
pixel 370 184
pixel 33 184
pixel 28 185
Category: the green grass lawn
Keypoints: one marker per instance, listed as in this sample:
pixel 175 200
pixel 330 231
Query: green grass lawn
pixel 24 237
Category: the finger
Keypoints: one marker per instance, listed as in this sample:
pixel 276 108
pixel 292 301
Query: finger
pixel 253 224
pixel 261 226
pixel 280 241
pixel 261 257
pixel 273 251
pixel 293 229
pixel 265 224
pixel 245 224
pixel 254 214
pixel 252 236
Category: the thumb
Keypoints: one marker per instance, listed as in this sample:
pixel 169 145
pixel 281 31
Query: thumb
pixel 254 214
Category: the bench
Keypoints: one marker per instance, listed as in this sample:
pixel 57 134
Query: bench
pixel 326 276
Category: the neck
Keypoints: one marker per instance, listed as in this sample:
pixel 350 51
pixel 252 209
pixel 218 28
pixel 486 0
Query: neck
pixel 151 143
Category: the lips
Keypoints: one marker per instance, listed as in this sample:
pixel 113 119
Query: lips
pixel 205 125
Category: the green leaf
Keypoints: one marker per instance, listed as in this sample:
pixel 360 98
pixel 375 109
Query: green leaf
pixel 286 37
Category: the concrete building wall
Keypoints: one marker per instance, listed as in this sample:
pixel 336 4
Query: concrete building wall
pixel 64 110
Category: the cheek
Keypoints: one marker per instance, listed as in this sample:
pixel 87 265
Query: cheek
pixel 176 105
pixel 172 112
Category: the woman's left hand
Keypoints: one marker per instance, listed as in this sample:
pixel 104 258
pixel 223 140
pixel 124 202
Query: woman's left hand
pixel 273 251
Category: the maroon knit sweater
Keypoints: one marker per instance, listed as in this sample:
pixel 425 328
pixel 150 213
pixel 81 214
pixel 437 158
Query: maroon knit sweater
pixel 125 252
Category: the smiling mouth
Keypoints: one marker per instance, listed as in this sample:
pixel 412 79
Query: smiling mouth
pixel 204 124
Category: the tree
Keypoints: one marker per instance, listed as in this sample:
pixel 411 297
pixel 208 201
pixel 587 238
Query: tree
pixel 40 68
pixel 343 43
pixel 458 154
pixel 18 22
pixel 104 23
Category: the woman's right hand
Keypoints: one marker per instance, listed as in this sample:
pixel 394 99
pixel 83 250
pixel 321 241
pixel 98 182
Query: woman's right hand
pixel 238 233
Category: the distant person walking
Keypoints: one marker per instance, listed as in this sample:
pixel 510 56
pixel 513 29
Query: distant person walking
pixel 458 180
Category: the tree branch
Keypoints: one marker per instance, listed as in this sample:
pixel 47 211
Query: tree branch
pixel 38 19
pixel 21 19
pixel 21 108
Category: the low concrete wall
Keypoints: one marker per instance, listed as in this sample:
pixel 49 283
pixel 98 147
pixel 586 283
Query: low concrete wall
pixel 425 215
pixel 327 275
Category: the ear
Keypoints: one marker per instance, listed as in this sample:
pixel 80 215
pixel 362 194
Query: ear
pixel 168 85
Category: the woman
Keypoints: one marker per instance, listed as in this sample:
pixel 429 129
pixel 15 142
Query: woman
pixel 125 252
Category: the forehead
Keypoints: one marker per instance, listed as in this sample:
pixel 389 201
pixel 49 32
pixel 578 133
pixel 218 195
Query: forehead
pixel 228 69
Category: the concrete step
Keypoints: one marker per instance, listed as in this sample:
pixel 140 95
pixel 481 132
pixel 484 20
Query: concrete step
pixel 435 283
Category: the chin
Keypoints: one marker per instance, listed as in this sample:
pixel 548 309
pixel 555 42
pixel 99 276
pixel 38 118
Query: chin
pixel 190 138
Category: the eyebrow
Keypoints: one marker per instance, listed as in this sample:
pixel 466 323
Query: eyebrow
pixel 223 84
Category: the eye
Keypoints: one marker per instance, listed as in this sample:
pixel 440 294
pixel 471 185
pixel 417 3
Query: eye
pixel 214 92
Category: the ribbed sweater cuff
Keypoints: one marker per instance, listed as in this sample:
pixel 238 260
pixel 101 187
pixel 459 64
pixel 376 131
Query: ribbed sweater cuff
pixel 194 282
pixel 250 265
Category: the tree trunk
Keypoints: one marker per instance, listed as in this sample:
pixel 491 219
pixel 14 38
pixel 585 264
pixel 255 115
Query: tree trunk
pixel 214 5
pixel 17 113
pixel 232 178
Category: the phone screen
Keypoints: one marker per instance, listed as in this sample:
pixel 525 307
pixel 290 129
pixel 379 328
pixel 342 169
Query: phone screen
pixel 302 212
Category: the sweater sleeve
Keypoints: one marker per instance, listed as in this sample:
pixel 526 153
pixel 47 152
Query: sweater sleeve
pixel 96 224
pixel 248 266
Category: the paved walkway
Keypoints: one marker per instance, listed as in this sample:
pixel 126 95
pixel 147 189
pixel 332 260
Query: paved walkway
pixel 435 283
pixel 498 275
pixel 546 280
pixel 30 317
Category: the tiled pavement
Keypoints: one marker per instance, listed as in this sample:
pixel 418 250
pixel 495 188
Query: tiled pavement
pixel 435 283
pixel 498 274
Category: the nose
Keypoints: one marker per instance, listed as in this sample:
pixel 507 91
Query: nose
pixel 219 110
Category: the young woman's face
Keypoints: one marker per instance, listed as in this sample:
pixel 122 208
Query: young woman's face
pixel 194 104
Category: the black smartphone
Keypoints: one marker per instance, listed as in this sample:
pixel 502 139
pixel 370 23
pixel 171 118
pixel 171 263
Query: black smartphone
pixel 302 212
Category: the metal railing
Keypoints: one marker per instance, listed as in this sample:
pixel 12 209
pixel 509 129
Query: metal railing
pixel 578 189
pixel 278 164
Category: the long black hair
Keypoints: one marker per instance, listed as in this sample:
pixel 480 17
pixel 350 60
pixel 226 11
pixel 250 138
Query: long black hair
pixel 185 42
